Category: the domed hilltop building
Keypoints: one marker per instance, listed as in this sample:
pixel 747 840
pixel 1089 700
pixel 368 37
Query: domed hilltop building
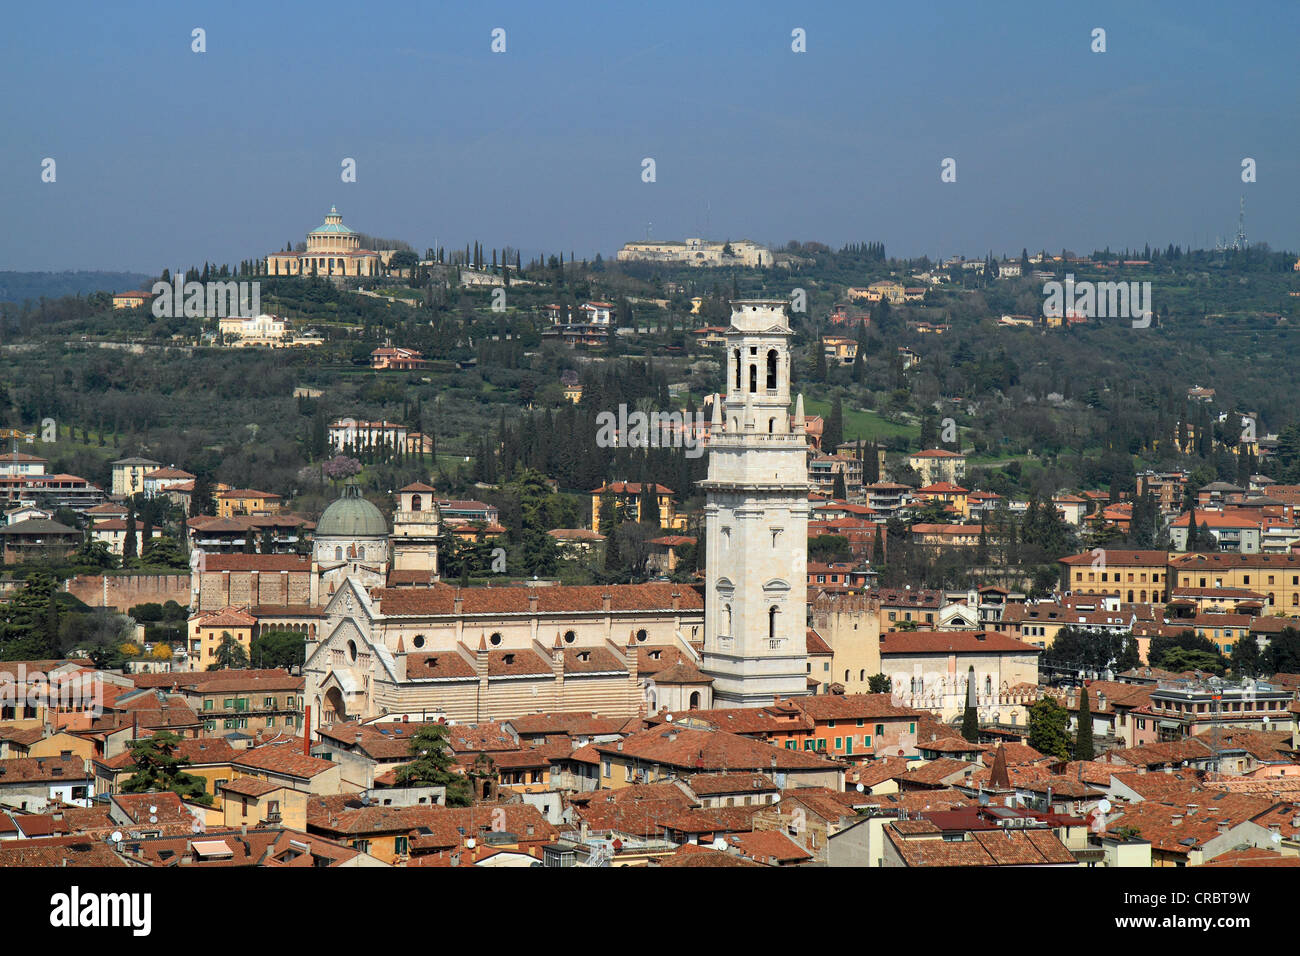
pixel 332 250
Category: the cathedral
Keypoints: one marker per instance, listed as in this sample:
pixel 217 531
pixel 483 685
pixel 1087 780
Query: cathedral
pixel 388 648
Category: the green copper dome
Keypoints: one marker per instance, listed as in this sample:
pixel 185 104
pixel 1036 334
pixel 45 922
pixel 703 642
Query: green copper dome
pixel 351 517
pixel 333 225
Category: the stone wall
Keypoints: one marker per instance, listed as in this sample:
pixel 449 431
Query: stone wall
pixel 124 591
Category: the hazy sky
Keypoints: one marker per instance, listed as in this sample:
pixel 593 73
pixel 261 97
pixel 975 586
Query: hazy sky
pixel 165 156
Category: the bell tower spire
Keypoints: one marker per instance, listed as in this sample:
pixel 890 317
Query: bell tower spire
pixel 756 519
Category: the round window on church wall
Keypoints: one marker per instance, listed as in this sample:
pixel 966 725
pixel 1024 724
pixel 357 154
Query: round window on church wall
pixel 352 649
pixel 494 640
pixel 641 635
pixel 570 637
pixel 419 640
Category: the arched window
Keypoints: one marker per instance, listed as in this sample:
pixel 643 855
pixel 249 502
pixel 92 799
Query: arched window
pixel 846 674
pixel 862 674
pixel 988 686
pixel 771 624
pixel 771 425
pixel 416 503
pixel 736 357
pixel 695 700
pixel 338 554
pixel 753 378
pixel 771 368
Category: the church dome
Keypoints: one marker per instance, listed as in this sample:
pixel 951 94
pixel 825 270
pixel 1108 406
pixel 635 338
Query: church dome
pixel 333 225
pixel 351 516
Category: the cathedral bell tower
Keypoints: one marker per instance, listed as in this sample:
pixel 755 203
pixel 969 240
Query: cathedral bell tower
pixel 756 519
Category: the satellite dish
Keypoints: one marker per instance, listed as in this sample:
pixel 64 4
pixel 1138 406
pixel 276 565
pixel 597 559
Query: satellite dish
pixel 668 718
pixel 116 836
pixel 469 844
pixel 719 844
pixel 776 798
pixel 365 801
pixel 1275 837
pixel 862 788
pixel 153 809
pixel 196 826
pixel 1103 805
pixel 153 818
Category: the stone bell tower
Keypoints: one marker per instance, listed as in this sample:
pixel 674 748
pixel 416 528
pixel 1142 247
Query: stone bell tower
pixel 756 519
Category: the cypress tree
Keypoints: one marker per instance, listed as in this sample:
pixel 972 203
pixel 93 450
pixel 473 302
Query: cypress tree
pixel 970 724
pixel 1083 743
pixel 838 491
pixel 833 431
pixel 649 504
pixel 128 546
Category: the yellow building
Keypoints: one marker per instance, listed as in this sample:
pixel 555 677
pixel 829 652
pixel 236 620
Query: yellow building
pixel 936 465
pixel 839 348
pixel 252 801
pixel 952 496
pixel 1132 576
pixel 131 300
pixel 61 743
pixel 1276 576
pixel 247 501
pixel 627 498
pixel 206 632
pixel 128 474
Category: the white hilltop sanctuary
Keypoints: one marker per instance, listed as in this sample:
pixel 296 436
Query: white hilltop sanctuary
pixel 698 252
pixel 756 519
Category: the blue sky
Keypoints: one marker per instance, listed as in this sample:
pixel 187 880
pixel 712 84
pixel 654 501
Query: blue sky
pixel 166 157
